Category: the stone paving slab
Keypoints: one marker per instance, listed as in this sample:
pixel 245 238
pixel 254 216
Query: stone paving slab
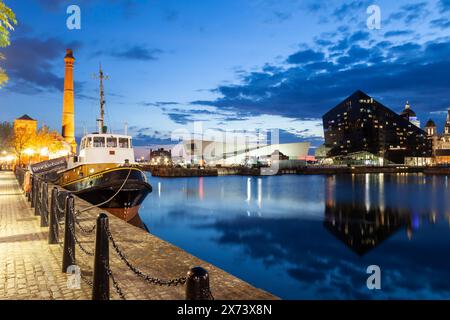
pixel 31 269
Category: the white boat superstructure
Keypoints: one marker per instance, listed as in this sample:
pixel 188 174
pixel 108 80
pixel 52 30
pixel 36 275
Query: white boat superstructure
pixel 104 148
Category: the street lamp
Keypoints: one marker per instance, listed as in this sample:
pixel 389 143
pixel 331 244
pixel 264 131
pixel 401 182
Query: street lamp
pixel 29 152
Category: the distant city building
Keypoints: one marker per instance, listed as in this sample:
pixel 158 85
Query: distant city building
pixel 360 130
pixel 26 124
pixel 160 157
pixel 321 154
pixel 26 142
pixel 410 115
pixel 440 142
pixel 213 153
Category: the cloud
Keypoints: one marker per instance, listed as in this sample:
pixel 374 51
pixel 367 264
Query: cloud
pixel 305 56
pixel 441 23
pixel 278 16
pixel 146 136
pixel 30 61
pixel 444 6
pixel 398 33
pixel 410 13
pixel 359 36
pixel 350 9
pixel 159 103
pixel 52 5
pixel 142 139
pixel 318 78
pixel 185 116
pixel 128 6
pixel 137 52
pixel 180 118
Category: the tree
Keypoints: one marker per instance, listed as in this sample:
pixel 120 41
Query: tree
pixel 35 145
pixel 7 22
pixel 6 135
pixel 22 141
pixel 46 139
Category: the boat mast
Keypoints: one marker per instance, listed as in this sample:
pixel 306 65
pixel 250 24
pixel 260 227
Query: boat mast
pixel 101 120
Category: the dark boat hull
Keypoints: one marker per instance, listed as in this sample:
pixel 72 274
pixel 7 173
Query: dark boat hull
pixel 119 191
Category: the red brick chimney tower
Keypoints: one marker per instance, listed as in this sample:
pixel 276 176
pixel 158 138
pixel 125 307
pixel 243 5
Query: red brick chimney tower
pixel 68 114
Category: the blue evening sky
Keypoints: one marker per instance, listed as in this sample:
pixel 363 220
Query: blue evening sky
pixel 234 64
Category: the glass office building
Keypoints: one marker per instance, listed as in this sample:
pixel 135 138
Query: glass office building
pixel 362 131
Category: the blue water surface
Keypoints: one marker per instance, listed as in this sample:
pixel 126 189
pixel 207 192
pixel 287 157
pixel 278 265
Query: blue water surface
pixel 313 237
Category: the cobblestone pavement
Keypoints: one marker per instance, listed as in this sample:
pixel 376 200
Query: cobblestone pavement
pixel 31 269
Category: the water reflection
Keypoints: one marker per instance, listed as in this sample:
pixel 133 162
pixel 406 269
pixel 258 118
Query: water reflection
pixel 361 229
pixel 297 236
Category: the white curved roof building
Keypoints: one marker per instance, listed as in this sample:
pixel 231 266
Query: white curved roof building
pixel 221 153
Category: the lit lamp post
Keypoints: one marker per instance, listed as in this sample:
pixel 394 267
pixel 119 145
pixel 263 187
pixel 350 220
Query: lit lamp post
pixel 43 153
pixel 6 159
pixel 29 152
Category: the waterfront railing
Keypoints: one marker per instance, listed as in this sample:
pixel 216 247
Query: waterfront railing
pixel 58 213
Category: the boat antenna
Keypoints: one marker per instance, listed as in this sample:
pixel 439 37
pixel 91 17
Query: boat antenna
pixel 101 121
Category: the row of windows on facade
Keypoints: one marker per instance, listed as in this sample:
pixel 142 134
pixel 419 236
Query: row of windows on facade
pixel 111 142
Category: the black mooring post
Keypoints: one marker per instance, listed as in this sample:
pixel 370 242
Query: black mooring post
pixel 29 190
pixel 44 205
pixel 69 241
pixel 197 284
pixel 37 201
pixel 100 289
pixel 33 191
pixel 53 232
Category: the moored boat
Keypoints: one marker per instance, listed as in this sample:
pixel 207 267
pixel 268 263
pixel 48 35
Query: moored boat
pixel 105 173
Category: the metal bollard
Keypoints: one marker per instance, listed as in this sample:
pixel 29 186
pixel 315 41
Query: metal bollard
pixel 69 241
pixel 100 288
pixel 37 202
pixel 33 191
pixel 60 194
pixel 53 231
pixel 29 191
pixel 197 284
pixel 44 205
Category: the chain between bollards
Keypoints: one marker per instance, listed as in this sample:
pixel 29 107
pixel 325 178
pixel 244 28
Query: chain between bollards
pixel 100 289
pixel 69 241
pixel 197 280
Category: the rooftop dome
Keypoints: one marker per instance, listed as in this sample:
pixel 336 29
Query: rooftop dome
pixel 430 124
pixel 408 112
